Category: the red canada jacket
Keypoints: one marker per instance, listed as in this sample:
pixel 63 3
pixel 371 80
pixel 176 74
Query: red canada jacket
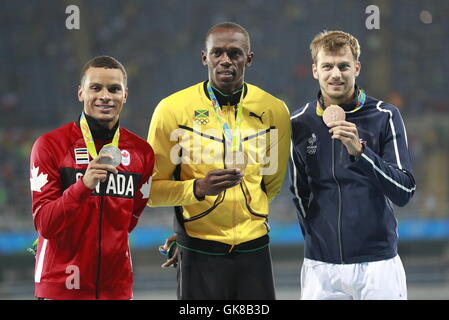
pixel 83 250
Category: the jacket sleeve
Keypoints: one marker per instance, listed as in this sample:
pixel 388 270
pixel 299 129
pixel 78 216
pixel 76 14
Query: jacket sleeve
pixel 391 170
pixel 143 189
pixel 279 151
pixel 162 137
pixel 298 182
pixel 52 208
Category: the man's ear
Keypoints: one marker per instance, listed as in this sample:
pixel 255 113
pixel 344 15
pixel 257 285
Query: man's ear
pixel 358 67
pixel 203 58
pixel 249 59
pixel 80 93
pixel 126 95
pixel 315 71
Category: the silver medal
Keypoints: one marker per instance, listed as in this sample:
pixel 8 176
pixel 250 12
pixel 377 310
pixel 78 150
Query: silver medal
pixel 114 152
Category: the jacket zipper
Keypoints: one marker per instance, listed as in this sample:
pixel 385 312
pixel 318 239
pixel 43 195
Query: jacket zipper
pixel 339 202
pixel 234 209
pixel 100 224
pixel 230 112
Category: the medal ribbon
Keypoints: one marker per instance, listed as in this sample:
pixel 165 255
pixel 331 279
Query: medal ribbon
pixel 89 140
pixel 231 140
pixel 361 97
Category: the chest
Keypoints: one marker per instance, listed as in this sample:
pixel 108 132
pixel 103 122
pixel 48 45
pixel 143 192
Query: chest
pixel 75 160
pixel 320 152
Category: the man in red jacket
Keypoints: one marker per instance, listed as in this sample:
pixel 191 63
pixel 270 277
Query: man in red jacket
pixel 90 180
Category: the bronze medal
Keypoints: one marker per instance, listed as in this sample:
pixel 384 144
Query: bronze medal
pixel 333 113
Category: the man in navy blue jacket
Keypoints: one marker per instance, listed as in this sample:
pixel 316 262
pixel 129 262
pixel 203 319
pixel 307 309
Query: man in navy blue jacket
pixel 345 175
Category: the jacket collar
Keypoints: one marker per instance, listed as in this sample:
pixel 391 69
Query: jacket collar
pixel 348 106
pixel 231 99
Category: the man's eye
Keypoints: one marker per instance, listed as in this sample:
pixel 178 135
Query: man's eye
pixel 95 88
pixel 114 89
pixel 344 67
pixel 235 53
pixel 327 67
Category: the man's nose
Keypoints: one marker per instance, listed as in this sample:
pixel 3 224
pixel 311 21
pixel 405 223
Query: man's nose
pixel 225 59
pixel 105 94
pixel 336 73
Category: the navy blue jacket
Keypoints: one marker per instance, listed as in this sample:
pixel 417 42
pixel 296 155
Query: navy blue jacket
pixel 344 204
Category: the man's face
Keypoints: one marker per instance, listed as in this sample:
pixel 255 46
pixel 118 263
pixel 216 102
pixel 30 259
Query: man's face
pixel 226 58
pixel 103 93
pixel 336 73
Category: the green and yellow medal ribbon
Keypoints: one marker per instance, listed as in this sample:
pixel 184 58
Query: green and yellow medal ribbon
pixel 89 140
pixel 361 97
pixel 232 140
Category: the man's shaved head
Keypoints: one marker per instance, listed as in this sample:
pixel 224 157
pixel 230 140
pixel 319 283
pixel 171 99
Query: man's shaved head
pixel 231 26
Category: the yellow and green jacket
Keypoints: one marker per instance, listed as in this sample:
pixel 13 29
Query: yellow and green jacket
pixel 188 143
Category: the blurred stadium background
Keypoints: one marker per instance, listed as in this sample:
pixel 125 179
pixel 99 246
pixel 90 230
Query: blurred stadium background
pixel 159 42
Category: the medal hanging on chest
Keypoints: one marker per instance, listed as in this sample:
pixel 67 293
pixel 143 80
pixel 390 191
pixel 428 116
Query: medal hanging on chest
pixel 235 156
pixel 110 148
pixel 336 113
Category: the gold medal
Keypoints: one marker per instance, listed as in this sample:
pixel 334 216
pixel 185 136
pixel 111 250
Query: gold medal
pixel 236 160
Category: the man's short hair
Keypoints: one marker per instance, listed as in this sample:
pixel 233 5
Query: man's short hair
pixel 333 41
pixel 230 26
pixel 106 62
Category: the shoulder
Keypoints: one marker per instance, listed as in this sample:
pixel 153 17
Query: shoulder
pixel 267 101
pixel 174 105
pixel 51 146
pixel 257 93
pixel 381 106
pixel 303 112
pixel 60 136
pixel 138 142
pixel 185 94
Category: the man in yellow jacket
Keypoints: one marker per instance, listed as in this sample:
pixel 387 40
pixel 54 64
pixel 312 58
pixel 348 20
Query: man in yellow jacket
pixel 221 150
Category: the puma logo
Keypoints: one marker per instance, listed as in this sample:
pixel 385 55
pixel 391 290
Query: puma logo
pixel 252 114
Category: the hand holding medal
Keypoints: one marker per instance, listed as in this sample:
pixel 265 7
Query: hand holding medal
pixel 217 181
pixel 346 132
pixel 107 160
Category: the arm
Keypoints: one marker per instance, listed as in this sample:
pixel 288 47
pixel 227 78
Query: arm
pixel 52 208
pixel 279 153
pixel 298 182
pixel 172 254
pixel 162 137
pixel 143 189
pixel 391 171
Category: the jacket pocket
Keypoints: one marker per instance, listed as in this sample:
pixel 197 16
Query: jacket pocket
pixel 256 201
pixel 218 200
